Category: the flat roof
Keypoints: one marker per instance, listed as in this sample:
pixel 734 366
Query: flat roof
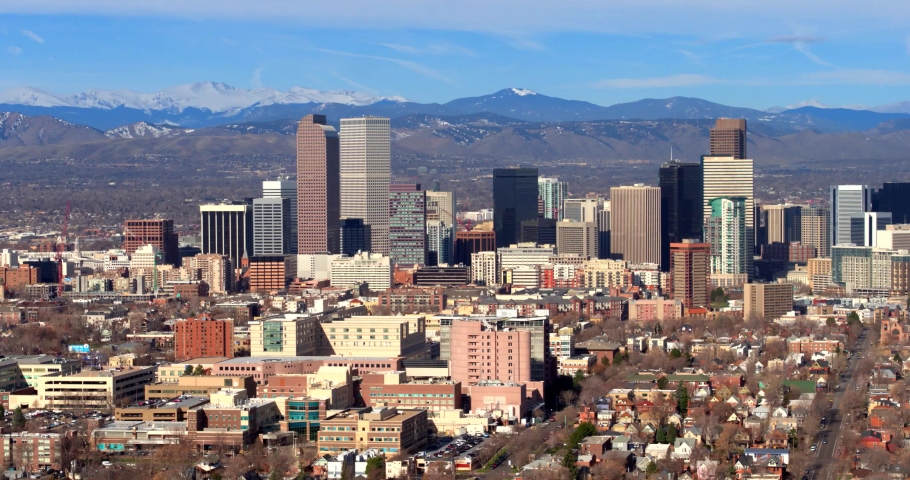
pixel 141 426
pixel 185 403
pixel 114 372
pixel 255 360
pixel 198 361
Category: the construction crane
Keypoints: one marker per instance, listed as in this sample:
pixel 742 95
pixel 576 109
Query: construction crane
pixel 61 245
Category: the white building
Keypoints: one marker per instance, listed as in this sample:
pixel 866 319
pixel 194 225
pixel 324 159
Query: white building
pixel 317 266
pixel 146 256
pixel 553 194
pixel 523 254
pixel 581 209
pixel 370 268
pixel 366 172
pixel 731 177
pixel 484 268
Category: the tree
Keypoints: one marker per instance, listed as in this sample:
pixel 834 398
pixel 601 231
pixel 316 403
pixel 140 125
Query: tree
pixel 188 370
pixel 675 353
pixel 831 322
pixel 897 358
pixel 652 469
pixel 199 370
pixel 608 469
pixel 584 430
pixel 605 361
pixel 662 383
pixel 568 461
pixel 376 468
pixel 578 377
pixel 18 418
pixel 568 397
pixel 682 399
pixel 852 318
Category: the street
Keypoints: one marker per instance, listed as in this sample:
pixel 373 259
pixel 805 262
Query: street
pixel 825 457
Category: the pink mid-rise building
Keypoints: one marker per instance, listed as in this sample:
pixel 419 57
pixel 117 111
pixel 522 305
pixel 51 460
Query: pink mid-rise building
pixel 656 309
pixel 482 352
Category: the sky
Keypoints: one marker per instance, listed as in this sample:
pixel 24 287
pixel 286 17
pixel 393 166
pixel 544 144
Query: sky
pixel 754 54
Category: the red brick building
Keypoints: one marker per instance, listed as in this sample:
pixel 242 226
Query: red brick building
pixel 39 450
pixel 203 337
pixel 267 274
pixel 15 279
pixel 689 273
pixel 468 242
pixel 381 389
pixel 159 233
pixel 810 345
pixel 413 300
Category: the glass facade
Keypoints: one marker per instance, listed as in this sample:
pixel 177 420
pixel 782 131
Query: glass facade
pixel 407 225
pixel 515 194
pixel 681 210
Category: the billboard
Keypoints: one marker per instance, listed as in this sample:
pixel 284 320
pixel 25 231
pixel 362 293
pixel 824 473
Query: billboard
pixel 79 348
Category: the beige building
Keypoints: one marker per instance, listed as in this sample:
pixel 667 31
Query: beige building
pixel 171 372
pixel 200 385
pixel 484 268
pixel 333 385
pixel 604 273
pixel 726 176
pixel 767 300
pixel 894 237
pixel 375 336
pixel 783 223
pixel 816 230
pixel 578 238
pixel 215 270
pixel 366 169
pixel 635 223
pixel 290 334
pixel 818 273
pixel 90 389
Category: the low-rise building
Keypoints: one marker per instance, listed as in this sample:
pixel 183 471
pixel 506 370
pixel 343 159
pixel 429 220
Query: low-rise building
pixel 133 436
pixel 387 429
pixel 392 389
pixel 34 451
pixel 89 389
pixel 159 410
pixel 331 384
pixel 232 420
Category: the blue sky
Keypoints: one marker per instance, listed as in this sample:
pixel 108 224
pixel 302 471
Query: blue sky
pixel 754 54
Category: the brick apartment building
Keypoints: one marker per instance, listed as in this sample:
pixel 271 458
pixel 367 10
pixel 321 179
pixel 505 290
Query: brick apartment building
pixel 15 279
pixel 808 345
pixel 38 450
pixel 159 233
pixel 792 252
pixel 203 336
pixel 391 389
pixel 413 300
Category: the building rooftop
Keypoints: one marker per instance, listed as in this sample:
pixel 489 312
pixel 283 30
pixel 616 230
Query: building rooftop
pixel 126 425
pixel 256 360
pixel 112 372
pixel 179 402
pixel 199 361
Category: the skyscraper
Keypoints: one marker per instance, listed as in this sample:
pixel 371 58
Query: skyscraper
pixel 783 223
pixel 365 175
pixel 728 138
pixel 355 236
pixel 576 238
pixel 894 197
pixel 470 242
pixel 729 177
pixel 407 224
pixel 552 194
pixel 284 189
pixel 272 227
pixel 580 209
pixel 227 229
pixel 157 232
pixel 815 229
pixel 864 227
pixel 690 269
pixel 681 210
pixel 846 201
pixel 603 231
pixel 514 201
pixel 725 231
pixel 318 186
pixel 441 226
pixel 635 223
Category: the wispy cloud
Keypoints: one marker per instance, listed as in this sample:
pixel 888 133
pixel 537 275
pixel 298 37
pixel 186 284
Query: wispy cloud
pixel 358 86
pixel 694 57
pixel 680 80
pixel 14 50
pixel 256 81
pixel 412 66
pixel 432 49
pixel 34 36
pixel 801 43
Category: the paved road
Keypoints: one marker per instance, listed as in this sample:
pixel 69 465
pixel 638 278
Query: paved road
pixel 825 457
pixel 504 471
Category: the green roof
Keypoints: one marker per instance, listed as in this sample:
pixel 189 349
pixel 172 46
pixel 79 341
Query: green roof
pixel 804 386
pixel 685 377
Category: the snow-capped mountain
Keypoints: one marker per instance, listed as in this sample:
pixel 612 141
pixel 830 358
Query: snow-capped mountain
pixel 145 130
pixel 212 96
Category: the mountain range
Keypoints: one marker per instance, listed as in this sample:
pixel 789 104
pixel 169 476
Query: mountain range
pixel 209 104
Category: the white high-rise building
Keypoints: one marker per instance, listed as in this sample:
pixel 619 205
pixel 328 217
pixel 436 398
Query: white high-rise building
pixel 441 226
pixel 848 201
pixel 366 169
pixel 731 177
pixel 272 227
pixel 552 194
pixel 581 209
pixel 284 189
pixel 484 268
pixel 371 268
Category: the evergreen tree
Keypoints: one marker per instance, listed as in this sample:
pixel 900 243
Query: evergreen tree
pixel 682 399
pixel 578 377
pixel 605 361
pixel 18 418
pixel 675 353
pixel 652 469
pixel 198 370
pixel 662 383
pixel 188 370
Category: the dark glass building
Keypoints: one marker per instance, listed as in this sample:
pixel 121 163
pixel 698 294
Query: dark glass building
pixel 514 201
pixel 355 236
pixel 894 197
pixel 681 206
pixel 408 224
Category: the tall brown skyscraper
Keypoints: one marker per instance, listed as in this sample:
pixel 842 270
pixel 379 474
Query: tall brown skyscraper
pixel 318 187
pixel 728 138
pixel 635 224
pixel 690 266
pixel 159 233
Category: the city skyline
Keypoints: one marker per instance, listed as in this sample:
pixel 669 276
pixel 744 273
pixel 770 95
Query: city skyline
pixel 820 57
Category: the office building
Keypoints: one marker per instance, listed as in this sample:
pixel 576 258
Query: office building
pixel 864 227
pixel 818 273
pixel 845 202
pixel 725 231
pixel 203 336
pixel 227 229
pixel 374 336
pixel 894 197
pixel 440 242
pixel 690 273
pixel 215 270
pixel 387 429
pixel 366 174
pixel 635 220
pixel 34 452
pixel 284 335
pixel 272 227
pixel 484 268
pixel 522 255
pixel 355 236
pixel 793 252
pixel 92 389
pixel 894 237
pixel 317 267
pixel 441 206
pixel 392 389
pixel 515 193
pixel 728 138
pixel 539 230
pixel 231 419
pixel 284 189
pixel 318 186
pixel 815 230
pixel 407 225
pixel 681 211
pixel 578 238
pixel 581 209
pixel 372 269
pixel 783 223
pixel 552 194
pixel 147 257
pixel 442 276
pixel 727 176
pixel 603 232
pixel 160 233
pixel 900 274
pixel 197 385
pixel 270 274
pixel 767 300
pixel 473 241
pixel 861 270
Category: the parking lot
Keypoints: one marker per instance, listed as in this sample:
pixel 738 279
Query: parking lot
pixel 454 447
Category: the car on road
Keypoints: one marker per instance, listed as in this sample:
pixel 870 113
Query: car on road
pixel 825 440
pixel 814 448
